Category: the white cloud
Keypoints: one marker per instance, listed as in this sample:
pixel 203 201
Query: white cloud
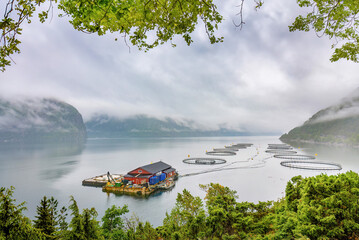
pixel 261 78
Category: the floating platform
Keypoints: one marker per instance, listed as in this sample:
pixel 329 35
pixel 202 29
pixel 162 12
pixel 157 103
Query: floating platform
pixel 101 180
pixel 138 189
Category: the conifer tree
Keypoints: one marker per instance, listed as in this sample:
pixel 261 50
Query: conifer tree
pixel 45 219
pixel 13 224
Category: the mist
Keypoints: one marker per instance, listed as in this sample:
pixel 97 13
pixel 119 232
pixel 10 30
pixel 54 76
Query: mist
pixel 261 79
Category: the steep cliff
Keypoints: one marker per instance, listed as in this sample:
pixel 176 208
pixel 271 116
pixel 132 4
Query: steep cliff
pixel 40 120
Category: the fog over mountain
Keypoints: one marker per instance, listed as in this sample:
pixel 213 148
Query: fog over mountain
pixel 262 78
pixel 145 126
pixel 37 119
pixel 337 124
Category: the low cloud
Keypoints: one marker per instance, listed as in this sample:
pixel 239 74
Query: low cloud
pixel 262 78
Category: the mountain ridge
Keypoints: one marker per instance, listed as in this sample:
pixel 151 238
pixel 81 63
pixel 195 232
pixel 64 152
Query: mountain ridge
pixel 337 124
pixel 40 120
pixel 144 126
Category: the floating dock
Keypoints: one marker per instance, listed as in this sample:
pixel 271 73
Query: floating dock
pixel 142 181
pixel 139 190
pixel 101 180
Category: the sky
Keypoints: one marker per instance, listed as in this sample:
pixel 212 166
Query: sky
pixel 262 78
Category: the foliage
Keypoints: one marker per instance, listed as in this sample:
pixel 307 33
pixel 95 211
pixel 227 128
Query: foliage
pixel 148 24
pixel 45 220
pixel 137 19
pixel 15 14
pixel 83 226
pixel 13 224
pixel 112 223
pixel 187 218
pixel 336 19
pixel 319 207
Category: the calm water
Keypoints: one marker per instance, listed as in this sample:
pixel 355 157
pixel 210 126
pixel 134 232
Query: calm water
pixel 58 170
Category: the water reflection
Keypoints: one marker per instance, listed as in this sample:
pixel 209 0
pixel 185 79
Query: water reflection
pixel 348 157
pixel 49 161
pixel 58 170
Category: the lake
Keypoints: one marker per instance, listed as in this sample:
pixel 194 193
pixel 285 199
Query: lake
pixel 58 170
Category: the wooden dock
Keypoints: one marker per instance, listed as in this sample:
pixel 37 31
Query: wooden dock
pixel 101 180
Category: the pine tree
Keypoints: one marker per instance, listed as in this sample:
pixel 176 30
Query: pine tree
pixel 45 219
pixel 13 224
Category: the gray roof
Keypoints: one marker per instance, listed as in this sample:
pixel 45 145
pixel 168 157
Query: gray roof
pixel 156 167
pixel 169 170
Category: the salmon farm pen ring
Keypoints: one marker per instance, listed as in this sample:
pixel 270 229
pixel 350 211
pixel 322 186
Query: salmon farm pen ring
pixel 294 157
pixel 235 147
pixel 221 153
pixel 224 149
pixel 204 161
pixel 278 144
pixel 280 147
pixel 280 151
pixel 308 165
pixel 243 145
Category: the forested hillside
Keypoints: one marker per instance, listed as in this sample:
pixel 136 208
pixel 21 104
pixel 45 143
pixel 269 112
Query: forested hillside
pixel 144 126
pixel 337 124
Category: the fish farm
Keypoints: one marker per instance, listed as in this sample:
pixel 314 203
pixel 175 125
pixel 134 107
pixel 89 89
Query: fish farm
pixel 142 181
pixel 299 161
pixel 294 157
pixel 280 151
pixel 221 153
pixel 204 161
pixel 310 165
pixel 159 176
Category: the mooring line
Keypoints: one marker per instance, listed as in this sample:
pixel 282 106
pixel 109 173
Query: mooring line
pixel 259 164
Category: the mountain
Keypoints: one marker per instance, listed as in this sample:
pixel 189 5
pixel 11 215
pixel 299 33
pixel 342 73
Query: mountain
pixel 40 120
pixel 337 124
pixel 144 126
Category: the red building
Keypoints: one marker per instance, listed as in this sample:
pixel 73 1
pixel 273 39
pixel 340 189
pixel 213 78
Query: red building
pixel 145 173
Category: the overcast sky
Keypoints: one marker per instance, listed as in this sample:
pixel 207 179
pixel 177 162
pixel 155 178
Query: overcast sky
pixel 262 78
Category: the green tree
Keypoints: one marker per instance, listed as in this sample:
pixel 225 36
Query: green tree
pixel 221 203
pixel 13 224
pixel 187 218
pixel 320 207
pixel 83 226
pixel 146 24
pixel 45 219
pixel 113 224
pixel 150 23
pixel 336 19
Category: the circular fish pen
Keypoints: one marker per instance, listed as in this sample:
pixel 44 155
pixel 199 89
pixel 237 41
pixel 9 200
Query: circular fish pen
pixel 294 156
pixel 221 153
pixel 243 145
pixel 310 165
pixel 277 144
pixel 280 151
pixel 280 147
pixel 204 161
pixel 224 149
pixel 235 147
